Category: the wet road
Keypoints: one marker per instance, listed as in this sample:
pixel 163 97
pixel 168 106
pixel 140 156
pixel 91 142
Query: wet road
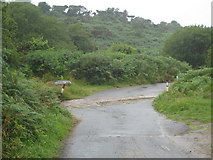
pixel 124 130
pixel 145 90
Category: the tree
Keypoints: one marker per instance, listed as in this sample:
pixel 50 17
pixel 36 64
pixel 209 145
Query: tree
pixel 81 38
pixel 163 26
pixel 9 28
pixel 208 58
pixel 189 44
pixel 44 7
pixel 140 23
pixel 27 18
pixel 59 11
pixel 101 32
pixel 76 10
pixel 174 25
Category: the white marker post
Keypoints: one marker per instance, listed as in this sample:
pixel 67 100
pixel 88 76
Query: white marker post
pixel 167 86
pixel 63 83
pixel 62 88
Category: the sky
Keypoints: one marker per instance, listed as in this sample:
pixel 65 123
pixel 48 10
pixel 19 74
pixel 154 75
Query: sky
pixel 185 12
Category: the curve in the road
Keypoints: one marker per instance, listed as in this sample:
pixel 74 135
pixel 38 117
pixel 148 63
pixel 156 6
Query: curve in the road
pixel 133 130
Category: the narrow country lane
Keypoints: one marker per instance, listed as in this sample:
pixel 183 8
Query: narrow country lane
pixel 122 123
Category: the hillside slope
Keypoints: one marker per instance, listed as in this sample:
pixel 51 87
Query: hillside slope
pixel 114 26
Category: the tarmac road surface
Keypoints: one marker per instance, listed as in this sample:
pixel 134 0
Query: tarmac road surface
pixel 128 129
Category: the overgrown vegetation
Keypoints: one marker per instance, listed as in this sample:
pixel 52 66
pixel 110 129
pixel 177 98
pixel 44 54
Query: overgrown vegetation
pixel 189 97
pixel 105 67
pixel 99 50
pixel 109 67
pixel 33 121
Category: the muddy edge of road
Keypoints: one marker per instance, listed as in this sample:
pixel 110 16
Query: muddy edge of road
pixel 196 142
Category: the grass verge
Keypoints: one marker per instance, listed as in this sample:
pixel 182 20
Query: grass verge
pixel 81 89
pixel 58 125
pixel 189 98
pixel 186 109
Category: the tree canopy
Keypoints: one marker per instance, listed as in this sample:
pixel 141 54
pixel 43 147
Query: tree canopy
pixel 24 21
pixel 189 44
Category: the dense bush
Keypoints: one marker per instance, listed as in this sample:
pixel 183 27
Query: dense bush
pixel 94 68
pixel 106 67
pixel 194 82
pixel 11 57
pixel 188 98
pixel 56 63
pixel 35 43
pixel 31 117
